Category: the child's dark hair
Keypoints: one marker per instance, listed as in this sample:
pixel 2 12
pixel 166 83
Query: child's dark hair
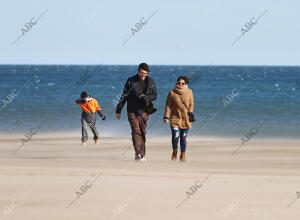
pixel 84 95
pixel 184 78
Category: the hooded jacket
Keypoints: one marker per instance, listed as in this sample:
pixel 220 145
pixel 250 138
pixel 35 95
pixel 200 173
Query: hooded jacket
pixel 89 108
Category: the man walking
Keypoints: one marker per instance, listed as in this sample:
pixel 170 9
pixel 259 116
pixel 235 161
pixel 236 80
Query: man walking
pixel 139 92
pixel 89 108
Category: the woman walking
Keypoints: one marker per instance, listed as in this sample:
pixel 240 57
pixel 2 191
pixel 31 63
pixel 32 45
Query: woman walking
pixel 180 102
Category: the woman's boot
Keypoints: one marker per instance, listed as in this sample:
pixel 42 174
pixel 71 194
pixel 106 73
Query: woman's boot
pixel 182 156
pixel 174 155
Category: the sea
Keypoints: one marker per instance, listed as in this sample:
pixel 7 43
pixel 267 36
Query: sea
pixel 230 101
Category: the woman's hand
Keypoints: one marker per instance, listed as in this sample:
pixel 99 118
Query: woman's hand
pixel 166 120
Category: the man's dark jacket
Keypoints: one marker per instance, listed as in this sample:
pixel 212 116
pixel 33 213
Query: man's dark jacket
pixel 131 93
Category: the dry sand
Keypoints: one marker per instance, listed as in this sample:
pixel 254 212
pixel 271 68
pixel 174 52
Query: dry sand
pixel 41 180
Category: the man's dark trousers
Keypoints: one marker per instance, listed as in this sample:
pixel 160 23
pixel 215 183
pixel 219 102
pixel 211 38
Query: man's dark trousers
pixel 138 126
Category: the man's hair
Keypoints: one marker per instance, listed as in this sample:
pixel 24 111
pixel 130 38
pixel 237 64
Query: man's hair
pixel 184 78
pixel 144 66
pixel 84 95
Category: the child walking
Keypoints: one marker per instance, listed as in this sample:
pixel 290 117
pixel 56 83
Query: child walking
pixel 89 108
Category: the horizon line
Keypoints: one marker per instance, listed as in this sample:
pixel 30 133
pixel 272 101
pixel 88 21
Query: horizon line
pixel 26 64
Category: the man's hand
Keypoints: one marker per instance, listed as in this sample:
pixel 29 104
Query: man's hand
pixel 118 116
pixel 104 118
pixel 166 120
pixel 142 95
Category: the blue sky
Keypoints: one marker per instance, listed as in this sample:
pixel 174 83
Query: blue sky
pixel 180 32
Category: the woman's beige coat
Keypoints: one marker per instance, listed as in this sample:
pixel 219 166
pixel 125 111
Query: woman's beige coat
pixel 179 113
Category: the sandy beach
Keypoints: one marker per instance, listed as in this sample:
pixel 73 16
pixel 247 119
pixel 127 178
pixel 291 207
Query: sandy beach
pixel 54 177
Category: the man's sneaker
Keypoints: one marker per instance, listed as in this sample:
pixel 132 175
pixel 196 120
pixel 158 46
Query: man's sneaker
pixel 83 143
pixel 137 157
pixel 97 141
pixel 143 159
